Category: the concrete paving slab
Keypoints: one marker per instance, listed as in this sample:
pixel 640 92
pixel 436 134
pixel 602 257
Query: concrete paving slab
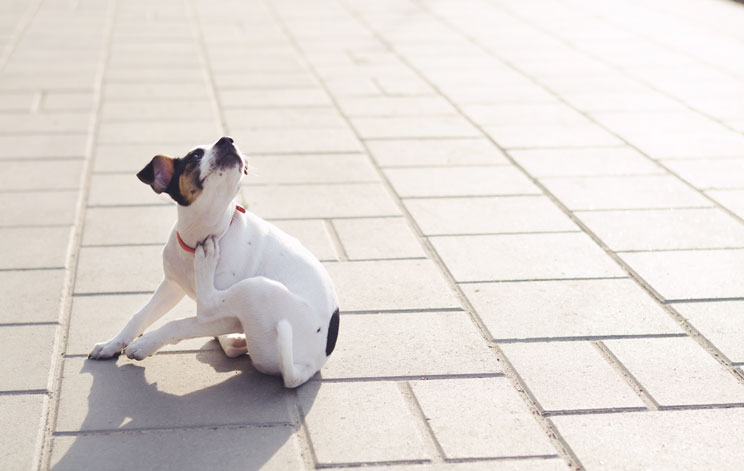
pixel 377 238
pixel 26 351
pixel 507 428
pixel 270 448
pixel 373 417
pixel 720 322
pixel 369 345
pixel 599 161
pixel 433 152
pixel 128 225
pixel 24 412
pixel 30 295
pixel 119 269
pixel 291 169
pixel 30 208
pixel 208 389
pixel 567 308
pixel 459 181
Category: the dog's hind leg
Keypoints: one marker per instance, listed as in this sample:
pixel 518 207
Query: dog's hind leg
pixel 293 374
pixel 233 344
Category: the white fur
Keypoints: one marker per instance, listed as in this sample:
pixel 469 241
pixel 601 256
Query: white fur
pixel 246 276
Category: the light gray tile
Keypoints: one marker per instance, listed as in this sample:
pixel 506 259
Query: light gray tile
pixel 481 215
pixel 377 238
pixel 524 257
pixel 688 274
pixel 287 141
pixel 38 208
pixel 505 425
pixel 26 352
pixel 34 247
pixel 19 440
pixel 372 417
pixel 390 285
pixel 599 161
pixel 30 295
pixel 205 388
pixel 124 226
pixel 721 322
pixel 398 153
pixel 459 181
pixel 409 127
pixel 266 448
pixel 437 343
pixel 291 169
pixel 119 269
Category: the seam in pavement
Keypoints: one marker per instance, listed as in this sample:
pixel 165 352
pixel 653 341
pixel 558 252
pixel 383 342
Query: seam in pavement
pixel 546 424
pixel 695 334
pixel 43 451
pixel 630 379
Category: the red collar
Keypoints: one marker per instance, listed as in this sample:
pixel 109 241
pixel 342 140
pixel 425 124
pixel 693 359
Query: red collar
pixel 192 249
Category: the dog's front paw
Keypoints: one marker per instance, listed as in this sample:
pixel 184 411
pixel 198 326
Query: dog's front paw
pixel 207 254
pixel 107 349
pixel 143 347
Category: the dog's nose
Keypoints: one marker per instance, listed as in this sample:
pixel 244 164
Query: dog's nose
pixel 225 141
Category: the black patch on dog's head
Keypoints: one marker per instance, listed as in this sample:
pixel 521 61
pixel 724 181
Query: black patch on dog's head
pixel 180 178
pixel 332 333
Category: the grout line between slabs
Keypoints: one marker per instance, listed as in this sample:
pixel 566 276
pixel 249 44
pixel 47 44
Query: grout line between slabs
pixel 704 343
pixel 630 379
pixel 43 455
pixel 545 423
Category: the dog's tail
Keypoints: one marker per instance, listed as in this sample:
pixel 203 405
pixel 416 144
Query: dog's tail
pixel 293 375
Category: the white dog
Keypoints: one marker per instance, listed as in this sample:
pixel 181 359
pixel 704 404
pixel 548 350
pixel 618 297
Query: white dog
pixel 244 273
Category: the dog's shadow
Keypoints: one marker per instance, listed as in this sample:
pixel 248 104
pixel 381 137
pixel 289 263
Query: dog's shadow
pixel 195 419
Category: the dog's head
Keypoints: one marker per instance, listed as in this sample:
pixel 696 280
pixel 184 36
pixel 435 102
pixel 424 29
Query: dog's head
pixel 207 176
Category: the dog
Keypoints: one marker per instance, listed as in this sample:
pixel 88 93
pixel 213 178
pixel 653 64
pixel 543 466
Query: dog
pixel 257 289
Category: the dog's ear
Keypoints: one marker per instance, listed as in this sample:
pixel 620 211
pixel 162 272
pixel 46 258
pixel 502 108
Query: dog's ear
pixel 158 173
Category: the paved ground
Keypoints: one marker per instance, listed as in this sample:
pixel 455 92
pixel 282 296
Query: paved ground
pixel 533 211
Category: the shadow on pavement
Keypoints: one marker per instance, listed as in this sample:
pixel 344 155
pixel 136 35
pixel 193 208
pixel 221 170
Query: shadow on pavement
pixel 243 422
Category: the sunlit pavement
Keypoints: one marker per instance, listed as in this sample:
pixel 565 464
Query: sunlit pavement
pixel 533 212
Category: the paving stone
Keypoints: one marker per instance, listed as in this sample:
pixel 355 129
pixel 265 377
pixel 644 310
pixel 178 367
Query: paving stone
pixel 123 189
pixel 437 343
pixel 721 322
pixel 518 464
pixel 274 97
pixel 119 269
pixel 291 169
pixel 678 274
pixel 686 439
pixel 30 295
pixel 420 127
pixel 172 111
pixel 377 238
pixel 621 101
pixel 459 181
pixel 34 247
pixel 188 132
pixel 732 200
pixel 58 146
pixel 26 352
pixel 482 215
pixel 17 101
pixel 694 144
pixel 530 113
pixel 505 425
pixel 313 234
pixel 68 101
pixel 269 448
pixel 209 389
pixel 524 257
pixel 289 141
pixel 373 418
pixel 131 158
pixel 570 376
pixel 540 136
pixel 710 173
pixel 18 123
pixel 155 91
pixel 41 175
pixel 98 318
pixel 677 371
pixel 521 93
pixel 568 308
pixel 390 285
pixel 128 226
pixel 19 440
pixel 283 118
pixel 399 153
pixel 396 106
pixel 599 161
pixel 665 229
pixel 320 201
pixel 636 192
pixel 37 209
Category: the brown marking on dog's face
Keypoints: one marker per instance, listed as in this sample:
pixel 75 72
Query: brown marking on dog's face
pixel 189 180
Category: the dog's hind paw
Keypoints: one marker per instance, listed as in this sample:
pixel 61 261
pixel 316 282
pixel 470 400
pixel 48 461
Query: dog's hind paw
pixel 207 254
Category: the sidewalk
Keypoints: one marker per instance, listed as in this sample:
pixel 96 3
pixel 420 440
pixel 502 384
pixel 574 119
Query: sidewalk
pixel 533 212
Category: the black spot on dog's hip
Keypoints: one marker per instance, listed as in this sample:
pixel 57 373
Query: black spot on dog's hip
pixel 332 333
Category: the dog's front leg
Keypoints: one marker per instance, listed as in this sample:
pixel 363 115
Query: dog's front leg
pixel 177 330
pixel 165 297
